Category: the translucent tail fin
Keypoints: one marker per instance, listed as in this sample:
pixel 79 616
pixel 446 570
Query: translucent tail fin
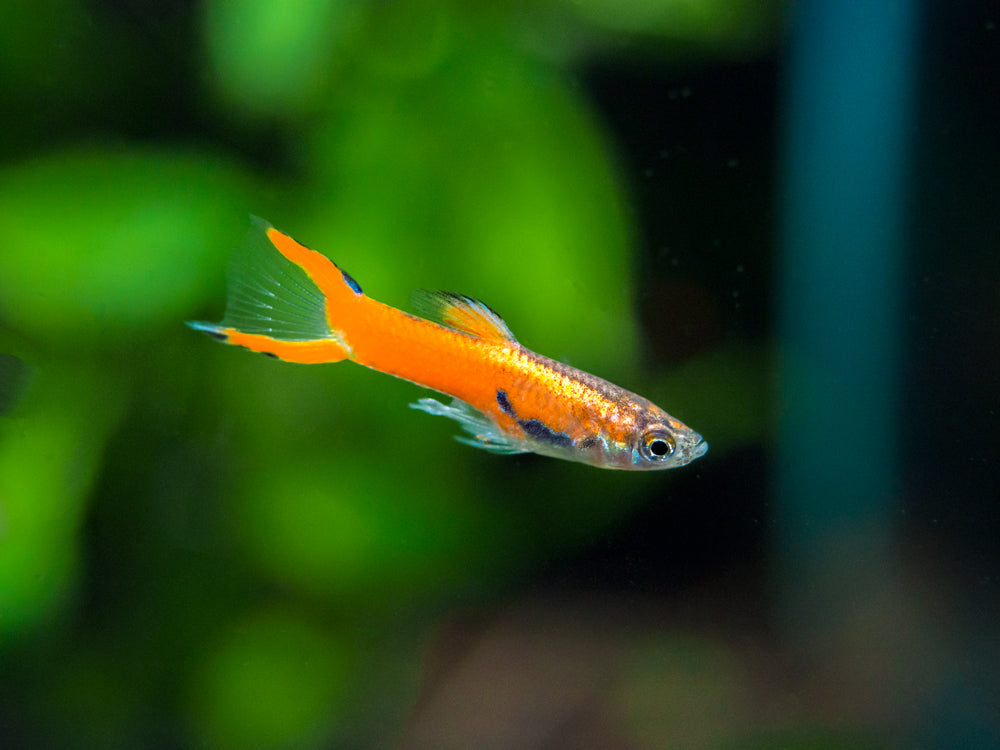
pixel 279 299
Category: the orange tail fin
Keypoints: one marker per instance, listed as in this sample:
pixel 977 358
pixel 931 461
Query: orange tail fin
pixel 283 299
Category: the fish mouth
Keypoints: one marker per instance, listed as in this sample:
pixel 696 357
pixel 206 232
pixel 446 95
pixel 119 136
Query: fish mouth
pixel 696 447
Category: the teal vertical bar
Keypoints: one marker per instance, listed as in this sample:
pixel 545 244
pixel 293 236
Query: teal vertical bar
pixel 847 116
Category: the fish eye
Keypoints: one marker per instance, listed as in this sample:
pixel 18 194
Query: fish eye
pixel 659 447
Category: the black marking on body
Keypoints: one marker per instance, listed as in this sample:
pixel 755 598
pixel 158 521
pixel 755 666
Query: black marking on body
pixel 504 404
pixel 544 434
pixel 588 442
pixel 349 280
pixel 272 355
pixel 217 335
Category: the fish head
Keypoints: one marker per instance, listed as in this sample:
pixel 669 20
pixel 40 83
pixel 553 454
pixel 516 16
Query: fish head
pixel 648 439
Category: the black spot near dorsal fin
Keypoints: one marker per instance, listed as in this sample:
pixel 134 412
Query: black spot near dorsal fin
pixel 349 280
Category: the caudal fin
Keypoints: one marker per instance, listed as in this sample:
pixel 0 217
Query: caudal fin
pixel 280 297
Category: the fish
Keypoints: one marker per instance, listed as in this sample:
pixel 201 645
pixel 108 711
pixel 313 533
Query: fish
pixel 293 303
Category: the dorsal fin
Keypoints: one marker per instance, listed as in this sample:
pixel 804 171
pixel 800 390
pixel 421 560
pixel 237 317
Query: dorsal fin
pixel 462 313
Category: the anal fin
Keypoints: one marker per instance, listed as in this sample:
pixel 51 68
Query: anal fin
pixel 486 434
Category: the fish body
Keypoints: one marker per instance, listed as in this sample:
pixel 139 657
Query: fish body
pixel 296 304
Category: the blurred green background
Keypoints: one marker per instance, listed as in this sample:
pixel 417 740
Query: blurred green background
pixel 204 548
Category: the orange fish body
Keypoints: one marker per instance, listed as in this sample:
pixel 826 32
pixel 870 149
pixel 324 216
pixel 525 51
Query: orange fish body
pixel 293 303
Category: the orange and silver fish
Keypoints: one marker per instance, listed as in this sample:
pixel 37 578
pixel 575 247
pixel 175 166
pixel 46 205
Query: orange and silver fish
pixel 295 304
